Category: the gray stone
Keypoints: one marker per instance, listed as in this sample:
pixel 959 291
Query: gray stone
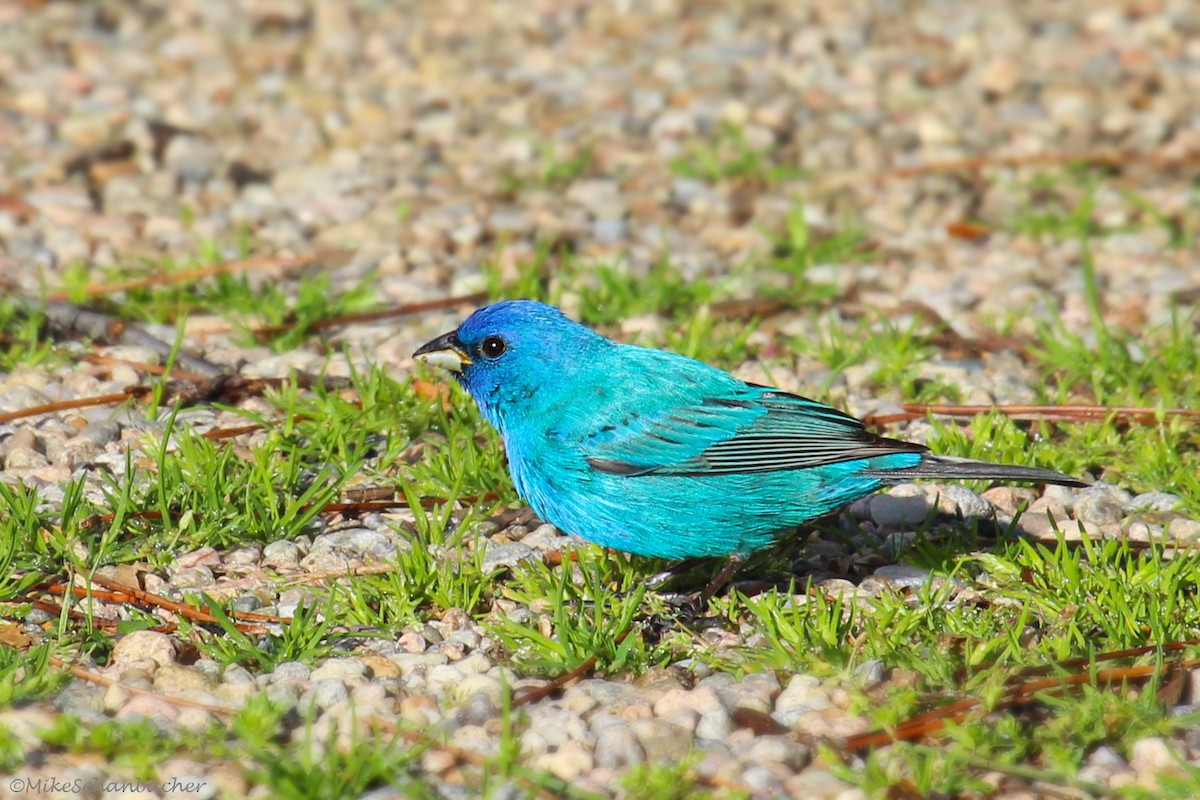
pixel 551 728
pixel 905 576
pixel 99 433
pixel 247 603
pixel 1106 756
pixel 327 561
pixel 870 672
pixel 247 556
pixel 802 696
pixel 600 196
pixel 777 750
pixel 291 671
pixel 894 513
pixel 209 668
pixel 38 617
pixel 350 671
pixel 1155 755
pixel 1008 499
pixel 714 724
pixel 140 646
pixel 281 554
pixel 699 700
pixel 236 674
pixel 443 678
pixel 617 748
pixel 609 230
pixel 370 696
pixel 817 782
pixel 191 158
pixel 567 763
pixel 193 577
pixel 468 638
pixel 81 699
pixel 478 709
pixel 286 693
pixel 176 678
pixel 860 509
pixel 962 502
pixel 754 695
pixel 1155 501
pixel 661 742
pixel 1063 496
pixel 508 219
pixel 24 458
pixel 507 554
pixel 1101 504
pixel 152 707
pixel 19 397
pixel 328 693
pixel 606 693
pixel 760 778
pixel 1182 529
pixel 361 542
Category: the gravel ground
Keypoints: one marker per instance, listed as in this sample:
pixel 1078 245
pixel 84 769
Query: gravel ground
pixel 412 138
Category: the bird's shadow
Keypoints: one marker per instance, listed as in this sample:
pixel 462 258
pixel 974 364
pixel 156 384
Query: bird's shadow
pixel 833 547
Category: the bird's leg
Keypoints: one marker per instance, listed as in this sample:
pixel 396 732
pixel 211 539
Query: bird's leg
pixel 694 603
pixel 660 579
pixel 720 579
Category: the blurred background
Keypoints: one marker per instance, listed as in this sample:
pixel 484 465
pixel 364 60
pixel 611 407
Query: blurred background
pixel 948 154
pixel 883 204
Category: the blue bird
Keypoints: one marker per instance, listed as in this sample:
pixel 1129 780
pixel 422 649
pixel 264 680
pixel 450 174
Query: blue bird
pixel 658 454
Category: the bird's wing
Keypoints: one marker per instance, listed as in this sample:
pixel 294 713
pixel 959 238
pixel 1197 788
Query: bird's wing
pixel 743 430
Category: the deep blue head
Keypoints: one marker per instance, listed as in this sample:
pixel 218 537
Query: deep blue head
pixel 513 354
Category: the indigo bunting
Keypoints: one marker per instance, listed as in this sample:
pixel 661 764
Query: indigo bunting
pixel 661 455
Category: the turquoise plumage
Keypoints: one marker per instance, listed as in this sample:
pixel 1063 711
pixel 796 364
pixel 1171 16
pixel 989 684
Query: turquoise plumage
pixel 654 453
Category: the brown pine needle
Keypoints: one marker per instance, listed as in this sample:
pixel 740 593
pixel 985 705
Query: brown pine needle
pixel 1157 159
pixel 1111 655
pixel 1020 693
pixel 1066 413
pixel 80 402
pixel 95 677
pixel 149 369
pixel 372 316
pixel 583 668
pixel 79 616
pixel 321 577
pixel 220 434
pixel 189 275
pixel 227 389
pixel 183 609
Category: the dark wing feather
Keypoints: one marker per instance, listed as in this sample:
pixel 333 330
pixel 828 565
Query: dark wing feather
pixel 758 430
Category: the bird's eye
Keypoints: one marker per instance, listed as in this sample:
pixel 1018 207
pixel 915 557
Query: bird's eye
pixel 493 347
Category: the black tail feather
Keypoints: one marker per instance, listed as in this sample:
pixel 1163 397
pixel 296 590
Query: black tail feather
pixel 932 466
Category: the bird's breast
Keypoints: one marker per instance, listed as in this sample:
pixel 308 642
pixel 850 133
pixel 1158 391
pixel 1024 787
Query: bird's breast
pixel 548 472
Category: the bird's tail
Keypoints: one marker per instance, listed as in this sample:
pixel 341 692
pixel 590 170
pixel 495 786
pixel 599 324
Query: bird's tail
pixel 967 469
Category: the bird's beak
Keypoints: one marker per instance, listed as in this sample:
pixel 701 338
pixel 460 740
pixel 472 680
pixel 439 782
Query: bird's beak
pixel 446 351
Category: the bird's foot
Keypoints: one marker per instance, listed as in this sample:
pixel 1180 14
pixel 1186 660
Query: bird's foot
pixel 693 604
pixel 722 577
pixel 675 572
pixel 718 581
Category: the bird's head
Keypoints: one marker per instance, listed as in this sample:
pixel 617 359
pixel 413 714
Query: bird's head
pixel 512 354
